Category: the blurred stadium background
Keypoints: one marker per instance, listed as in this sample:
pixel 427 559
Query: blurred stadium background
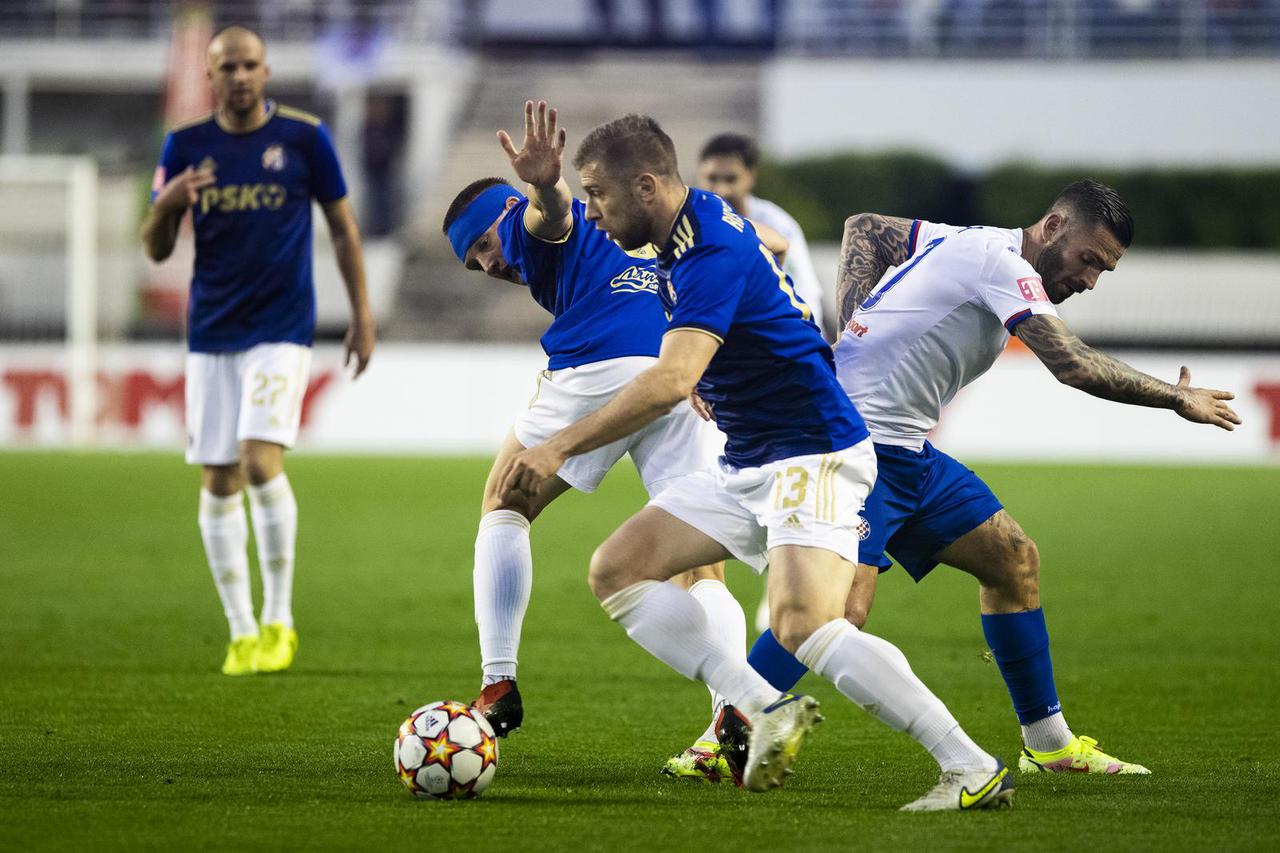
pixel 954 110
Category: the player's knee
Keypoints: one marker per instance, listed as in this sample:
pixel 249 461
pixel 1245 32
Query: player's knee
pixel 610 570
pixel 1020 571
pixel 857 612
pixel 261 464
pixel 792 623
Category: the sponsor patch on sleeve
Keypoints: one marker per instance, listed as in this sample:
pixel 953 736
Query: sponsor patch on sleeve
pixel 1032 289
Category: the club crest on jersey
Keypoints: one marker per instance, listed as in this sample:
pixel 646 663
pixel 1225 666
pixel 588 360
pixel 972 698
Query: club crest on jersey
pixel 273 158
pixel 208 164
pixel 864 529
pixel 635 280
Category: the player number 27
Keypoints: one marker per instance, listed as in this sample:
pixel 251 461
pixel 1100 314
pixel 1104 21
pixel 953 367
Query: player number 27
pixel 267 389
pixel 804 310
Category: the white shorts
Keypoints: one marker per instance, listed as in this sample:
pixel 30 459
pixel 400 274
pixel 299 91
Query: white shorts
pixel 233 396
pixel 675 445
pixel 805 500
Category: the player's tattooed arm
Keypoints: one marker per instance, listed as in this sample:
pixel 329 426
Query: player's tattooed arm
pixel 539 163
pixel 872 243
pixel 1075 363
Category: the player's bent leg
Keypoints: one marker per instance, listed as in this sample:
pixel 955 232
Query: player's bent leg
pixel 274 511
pixel 808 591
pixel 702 761
pixel 502 578
pixel 1006 563
pixel 627 574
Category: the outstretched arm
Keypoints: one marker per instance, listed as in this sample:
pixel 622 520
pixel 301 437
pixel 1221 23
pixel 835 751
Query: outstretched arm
pixel 539 164
pixel 872 243
pixel 1079 365
pixel 684 356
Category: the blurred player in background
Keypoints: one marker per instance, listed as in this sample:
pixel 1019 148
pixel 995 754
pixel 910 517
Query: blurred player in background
pixel 728 166
pixel 797 465
pixel 607 329
pixel 248 172
pixel 927 309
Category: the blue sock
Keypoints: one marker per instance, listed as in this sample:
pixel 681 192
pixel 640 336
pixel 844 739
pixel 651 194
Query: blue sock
pixel 1020 642
pixel 778 666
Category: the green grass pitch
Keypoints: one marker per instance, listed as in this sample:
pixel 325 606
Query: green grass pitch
pixel 117 732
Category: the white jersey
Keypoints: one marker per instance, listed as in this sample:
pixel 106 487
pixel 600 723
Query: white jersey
pixel 797 264
pixel 933 325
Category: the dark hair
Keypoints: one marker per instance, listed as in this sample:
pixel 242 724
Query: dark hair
pixel 732 145
pixel 469 194
pixel 1094 204
pixel 630 145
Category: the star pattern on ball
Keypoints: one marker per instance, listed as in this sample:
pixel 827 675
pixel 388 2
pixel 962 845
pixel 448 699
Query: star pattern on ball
pixel 440 751
pixel 488 751
pixel 455 710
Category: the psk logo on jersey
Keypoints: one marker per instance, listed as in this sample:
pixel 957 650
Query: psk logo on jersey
pixel 635 280
pixel 864 529
pixel 273 158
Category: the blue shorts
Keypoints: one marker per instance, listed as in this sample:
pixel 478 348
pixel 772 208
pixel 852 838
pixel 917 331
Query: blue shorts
pixel 922 502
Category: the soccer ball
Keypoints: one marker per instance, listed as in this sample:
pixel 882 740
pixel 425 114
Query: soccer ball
pixel 446 751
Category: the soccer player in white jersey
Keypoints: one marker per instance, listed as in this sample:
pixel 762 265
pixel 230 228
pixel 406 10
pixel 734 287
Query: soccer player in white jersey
pixel 728 166
pixel 796 467
pixel 927 309
pixel 607 329
pixel 249 172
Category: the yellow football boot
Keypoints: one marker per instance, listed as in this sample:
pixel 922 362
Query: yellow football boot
pixel 276 647
pixel 700 762
pixel 242 656
pixel 1081 755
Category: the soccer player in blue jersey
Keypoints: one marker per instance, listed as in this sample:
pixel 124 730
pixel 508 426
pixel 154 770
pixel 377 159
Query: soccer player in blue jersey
pixel 248 172
pixel 607 329
pixel 796 469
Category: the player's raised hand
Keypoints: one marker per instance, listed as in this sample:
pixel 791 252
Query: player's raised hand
pixel 529 469
pixel 358 344
pixel 183 189
pixel 539 159
pixel 1204 405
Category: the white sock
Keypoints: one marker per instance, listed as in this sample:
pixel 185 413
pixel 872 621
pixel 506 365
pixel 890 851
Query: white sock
pixel 1048 735
pixel 876 675
pixel 727 621
pixel 226 538
pixel 669 624
pixel 502 578
pixel 275 527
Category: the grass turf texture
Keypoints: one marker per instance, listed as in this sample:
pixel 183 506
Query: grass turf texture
pixel 116 730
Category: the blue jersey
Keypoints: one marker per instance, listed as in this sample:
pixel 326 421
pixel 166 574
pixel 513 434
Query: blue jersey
pixel 252 279
pixel 772 383
pixel 603 299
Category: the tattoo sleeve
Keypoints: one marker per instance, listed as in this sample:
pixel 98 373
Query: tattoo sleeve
pixel 1079 365
pixel 871 244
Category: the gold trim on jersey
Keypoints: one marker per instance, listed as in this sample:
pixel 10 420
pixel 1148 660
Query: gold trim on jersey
pixel 693 329
pixel 563 239
pixel 298 115
pixel 191 122
pixel 682 234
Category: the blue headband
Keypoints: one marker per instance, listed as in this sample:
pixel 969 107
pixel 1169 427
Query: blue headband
pixel 476 217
